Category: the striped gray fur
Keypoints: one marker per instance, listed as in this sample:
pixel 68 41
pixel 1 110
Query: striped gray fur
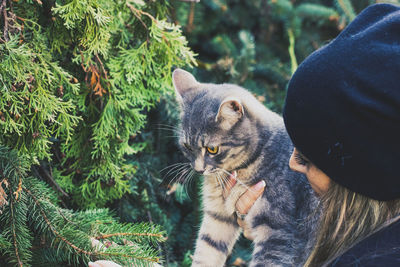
pixel 252 141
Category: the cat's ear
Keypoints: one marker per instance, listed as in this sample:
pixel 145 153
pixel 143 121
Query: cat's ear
pixel 183 82
pixel 229 113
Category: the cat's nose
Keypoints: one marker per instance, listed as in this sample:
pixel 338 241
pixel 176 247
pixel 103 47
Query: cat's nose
pixel 198 166
pixel 198 169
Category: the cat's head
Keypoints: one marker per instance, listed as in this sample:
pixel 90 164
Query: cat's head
pixel 215 126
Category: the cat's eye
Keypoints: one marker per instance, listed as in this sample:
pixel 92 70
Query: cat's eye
pixel 212 149
pixel 187 146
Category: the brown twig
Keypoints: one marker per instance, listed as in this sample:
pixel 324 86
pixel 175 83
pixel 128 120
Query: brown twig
pixel 190 25
pixel 102 66
pixel 140 12
pixel 3 7
pixel 136 14
pixel 51 179
pixel 83 60
pixel 128 234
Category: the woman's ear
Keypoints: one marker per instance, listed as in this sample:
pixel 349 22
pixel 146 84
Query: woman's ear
pixel 229 113
pixel 183 82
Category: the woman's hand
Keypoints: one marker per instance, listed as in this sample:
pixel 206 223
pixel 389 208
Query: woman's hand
pixel 245 202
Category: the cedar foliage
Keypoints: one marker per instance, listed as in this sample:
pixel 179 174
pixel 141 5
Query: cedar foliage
pixel 77 80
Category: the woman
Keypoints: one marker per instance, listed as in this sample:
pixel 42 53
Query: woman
pixel 342 111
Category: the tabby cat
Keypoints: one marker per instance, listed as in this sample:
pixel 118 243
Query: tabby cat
pixel 226 132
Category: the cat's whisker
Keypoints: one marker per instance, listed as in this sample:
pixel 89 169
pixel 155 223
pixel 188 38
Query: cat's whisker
pixel 225 171
pixel 219 181
pixel 237 180
pixel 188 181
pixel 191 179
pixel 183 175
pixel 242 162
pixel 169 166
pixel 173 167
pixel 175 130
pixel 166 126
pixel 170 130
pixel 223 182
pixel 172 136
pixel 177 173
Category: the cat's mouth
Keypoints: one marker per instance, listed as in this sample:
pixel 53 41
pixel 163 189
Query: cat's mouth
pixel 230 175
pixel 233 175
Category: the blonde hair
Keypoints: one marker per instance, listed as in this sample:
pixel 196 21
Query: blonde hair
pixel 347 218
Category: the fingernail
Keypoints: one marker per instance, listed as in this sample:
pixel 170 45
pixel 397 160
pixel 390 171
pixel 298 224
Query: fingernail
pixel 260 185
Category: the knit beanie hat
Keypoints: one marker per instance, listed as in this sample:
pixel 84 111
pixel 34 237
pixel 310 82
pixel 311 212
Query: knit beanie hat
pixel 342 107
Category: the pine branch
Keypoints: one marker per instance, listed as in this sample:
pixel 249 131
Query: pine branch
pixel 104 236
pixel 114 253
pixel 13 220
pixel 15 243
pixel 52 228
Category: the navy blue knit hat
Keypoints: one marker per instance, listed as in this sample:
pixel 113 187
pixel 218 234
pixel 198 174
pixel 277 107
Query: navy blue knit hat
pixel 342 107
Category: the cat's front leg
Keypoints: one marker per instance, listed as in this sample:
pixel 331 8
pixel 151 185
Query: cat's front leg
pixel 274 240
pixel 217 235
pixel 272 248
pixel 218 232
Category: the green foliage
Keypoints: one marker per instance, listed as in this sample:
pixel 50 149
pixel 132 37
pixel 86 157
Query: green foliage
pixel 88 21
pixel 32 220
pixel 79 77
pixel 114 108
pixel 31 112
pixel 77 81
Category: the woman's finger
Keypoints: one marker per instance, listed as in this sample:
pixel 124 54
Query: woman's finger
pixel 247 200
pixel 103 263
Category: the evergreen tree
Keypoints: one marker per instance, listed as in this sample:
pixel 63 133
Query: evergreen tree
pixel 259 43
pixel 35 230
pixel 79 83
pixel 78 78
